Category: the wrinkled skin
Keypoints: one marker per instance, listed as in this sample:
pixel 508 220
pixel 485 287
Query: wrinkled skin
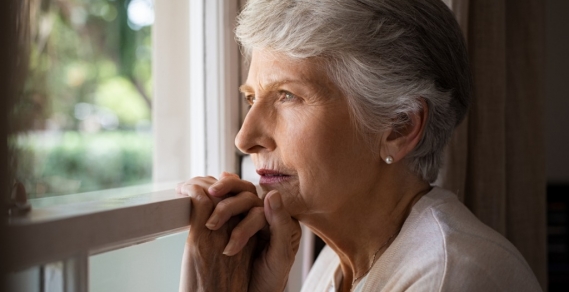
pixel 206 267
pixel 251 247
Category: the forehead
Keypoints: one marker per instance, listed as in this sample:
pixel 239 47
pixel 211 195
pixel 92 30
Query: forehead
pixel 272 68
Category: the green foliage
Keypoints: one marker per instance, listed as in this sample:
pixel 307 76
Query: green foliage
pixel 71 162
pixel 119 94
pixel 84 54
pixel 79 49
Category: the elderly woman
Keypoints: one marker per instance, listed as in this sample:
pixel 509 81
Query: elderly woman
pixel 352 103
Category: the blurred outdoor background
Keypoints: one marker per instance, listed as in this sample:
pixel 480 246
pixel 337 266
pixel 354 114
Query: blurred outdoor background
pixel 84 120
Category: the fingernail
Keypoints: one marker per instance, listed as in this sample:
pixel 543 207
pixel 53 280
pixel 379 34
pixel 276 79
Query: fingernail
pixel 274 202
pixel 230 249
pixel 213 189
pixel 212 222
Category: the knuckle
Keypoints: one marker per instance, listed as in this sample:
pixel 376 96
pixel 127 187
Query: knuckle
pixel 199 197
pixel 257 211
pixel 229 179
pixel 194 180
pixel 203 200
pixel 192 188
pixel 184 189
pixel 222 206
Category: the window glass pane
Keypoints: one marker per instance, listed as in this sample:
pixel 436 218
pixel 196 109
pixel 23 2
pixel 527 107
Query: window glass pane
pixel 28 280
pixel 52 277
pixel 84 121
pixel 150 266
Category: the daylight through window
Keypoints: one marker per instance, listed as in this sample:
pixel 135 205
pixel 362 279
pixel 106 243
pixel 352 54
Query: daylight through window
pixel 84 121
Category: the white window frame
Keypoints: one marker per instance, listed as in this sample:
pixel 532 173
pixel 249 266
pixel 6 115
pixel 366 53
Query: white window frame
pixel 195 119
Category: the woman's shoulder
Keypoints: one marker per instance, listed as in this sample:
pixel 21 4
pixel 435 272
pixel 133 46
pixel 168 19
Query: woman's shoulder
pixel 443 246
pixel 454 230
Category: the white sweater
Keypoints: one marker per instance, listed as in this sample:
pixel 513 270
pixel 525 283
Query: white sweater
pixel 442 246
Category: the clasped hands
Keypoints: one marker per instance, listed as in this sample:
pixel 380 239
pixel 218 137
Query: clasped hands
pixel 237 240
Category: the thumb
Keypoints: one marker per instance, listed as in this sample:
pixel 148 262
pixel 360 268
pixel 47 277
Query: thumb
pixel 285 230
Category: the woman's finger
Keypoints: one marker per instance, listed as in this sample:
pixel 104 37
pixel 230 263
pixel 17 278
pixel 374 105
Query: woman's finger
pixel 285 230
pixel 278 255
pixel 204 182
pixel 228 174
pixel 230 184
pixel 204 268
pixel 247 228
pixel 232 206
pixel 202 206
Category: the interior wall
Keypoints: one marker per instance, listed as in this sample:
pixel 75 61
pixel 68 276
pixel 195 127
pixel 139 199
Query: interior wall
pixel 557 93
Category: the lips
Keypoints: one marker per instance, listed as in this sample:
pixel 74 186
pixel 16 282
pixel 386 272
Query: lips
pixel 269 176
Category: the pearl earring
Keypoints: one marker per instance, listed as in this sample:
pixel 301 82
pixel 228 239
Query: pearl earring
pixel 389 159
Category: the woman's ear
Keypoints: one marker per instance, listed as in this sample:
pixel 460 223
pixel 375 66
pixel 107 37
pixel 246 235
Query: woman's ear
pixel 396 143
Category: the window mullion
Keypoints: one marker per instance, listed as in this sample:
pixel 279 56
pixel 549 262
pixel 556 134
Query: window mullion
pixel 222 81
pixel 176 86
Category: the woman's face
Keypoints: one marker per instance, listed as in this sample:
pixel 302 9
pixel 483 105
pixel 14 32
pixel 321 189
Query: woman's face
pixel 302 138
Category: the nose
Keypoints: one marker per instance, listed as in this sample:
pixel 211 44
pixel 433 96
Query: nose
pixel 255 134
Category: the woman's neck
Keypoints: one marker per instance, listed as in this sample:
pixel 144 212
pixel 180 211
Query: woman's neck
pixel 365 226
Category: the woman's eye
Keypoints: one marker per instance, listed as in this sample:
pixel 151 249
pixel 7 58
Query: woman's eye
pixel 287 96
pixel 250 99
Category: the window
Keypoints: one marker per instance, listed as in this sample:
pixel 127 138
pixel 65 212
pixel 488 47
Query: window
pixel 85 111
pixel 137 233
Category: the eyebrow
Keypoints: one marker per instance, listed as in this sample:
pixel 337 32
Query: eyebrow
pixel 271 86
pixel 245 88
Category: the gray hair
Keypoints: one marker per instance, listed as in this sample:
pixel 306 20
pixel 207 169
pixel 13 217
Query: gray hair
pixel 385 55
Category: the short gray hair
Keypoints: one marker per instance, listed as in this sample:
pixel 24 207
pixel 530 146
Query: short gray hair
pixel 383 54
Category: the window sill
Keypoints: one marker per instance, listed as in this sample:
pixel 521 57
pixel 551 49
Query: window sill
pixel 63 227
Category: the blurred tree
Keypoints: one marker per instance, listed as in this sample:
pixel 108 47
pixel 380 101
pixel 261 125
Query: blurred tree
pixel 77 46
pixel 86 91
pixel 128 46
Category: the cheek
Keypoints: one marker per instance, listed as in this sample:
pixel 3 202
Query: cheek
pixel 300 136
pixel 313 142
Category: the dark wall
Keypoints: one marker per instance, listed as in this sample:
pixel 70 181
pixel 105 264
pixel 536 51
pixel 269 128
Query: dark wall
pixel 6 96
pixel 557 91
pixel 557 141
